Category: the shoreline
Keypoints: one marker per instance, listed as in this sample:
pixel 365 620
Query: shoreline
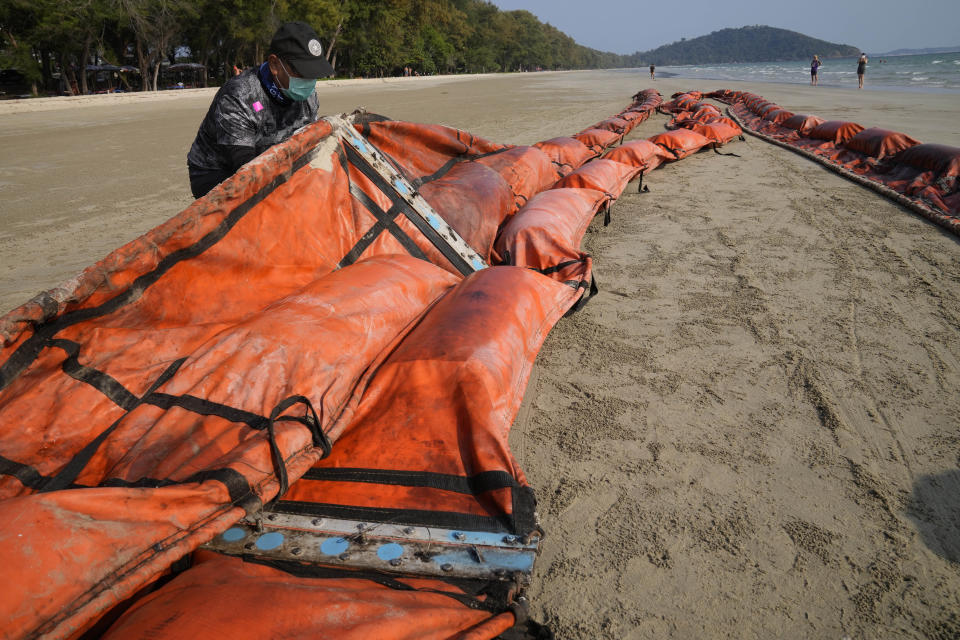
pixel 866 87
pixel 53 103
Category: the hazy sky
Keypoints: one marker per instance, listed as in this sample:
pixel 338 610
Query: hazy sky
pixel 626 26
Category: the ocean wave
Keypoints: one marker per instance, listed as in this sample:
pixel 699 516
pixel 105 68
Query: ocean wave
pixel 911 74
pixel 936 62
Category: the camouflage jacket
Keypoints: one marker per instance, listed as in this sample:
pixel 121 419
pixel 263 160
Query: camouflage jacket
pixel 248 111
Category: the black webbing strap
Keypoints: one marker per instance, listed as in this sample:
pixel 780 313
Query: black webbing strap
pixel 237 485
pixel 585 297
pixel 557 267
pixel 385 221
pixel 450 164
pixel 523 501
pixel 676 155
pixel 125 399
pixel 27 475
pixel 69 473
pixel 309 420
pixel 429 232
pixel 476 484
pixel 640 186
pixel 716 144
pixel 365 119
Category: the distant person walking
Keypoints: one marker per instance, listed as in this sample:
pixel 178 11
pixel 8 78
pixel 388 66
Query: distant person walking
pixel 861 69
pixel 653 72
pixel 814 68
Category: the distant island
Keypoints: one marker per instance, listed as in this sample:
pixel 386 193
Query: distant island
pixel 920 52
pixel 746 44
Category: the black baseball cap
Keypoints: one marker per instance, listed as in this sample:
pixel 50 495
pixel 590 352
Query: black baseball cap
pixel 298 44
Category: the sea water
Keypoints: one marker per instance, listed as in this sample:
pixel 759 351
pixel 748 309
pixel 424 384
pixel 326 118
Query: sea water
pixel 927 72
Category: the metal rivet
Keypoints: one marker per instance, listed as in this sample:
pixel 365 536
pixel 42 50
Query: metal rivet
pixel 447 566
pixel 408 530
pixel 396 562
pixel 509 539
pixel 316 521
pixel 459 536
pixel 295 551
pixel 249 545
pixel 272 516
pixel 344 556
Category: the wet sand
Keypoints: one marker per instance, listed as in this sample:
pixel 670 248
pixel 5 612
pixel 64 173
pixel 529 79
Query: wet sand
pixel 753 431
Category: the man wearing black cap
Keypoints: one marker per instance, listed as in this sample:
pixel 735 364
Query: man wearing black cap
pixel 259 108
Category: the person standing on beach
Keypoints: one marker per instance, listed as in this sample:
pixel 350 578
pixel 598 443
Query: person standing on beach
pixel 814 68
pixel 652 74
pixel 861 69
pixel 259 108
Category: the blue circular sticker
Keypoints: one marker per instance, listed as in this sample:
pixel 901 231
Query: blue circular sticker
pixel 390 551
pixel 269 541
pixel 233 534
pixel 334 546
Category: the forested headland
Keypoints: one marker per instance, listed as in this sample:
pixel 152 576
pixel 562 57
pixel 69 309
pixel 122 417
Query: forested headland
pixel 746 44
pixel 55 43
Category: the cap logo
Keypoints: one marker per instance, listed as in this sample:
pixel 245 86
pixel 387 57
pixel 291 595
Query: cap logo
pixel 314 47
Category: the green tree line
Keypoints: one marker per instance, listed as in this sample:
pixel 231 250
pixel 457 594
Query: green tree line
pixel 52 42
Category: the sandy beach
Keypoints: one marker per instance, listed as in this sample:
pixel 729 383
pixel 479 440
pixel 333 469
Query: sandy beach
pixel 753 431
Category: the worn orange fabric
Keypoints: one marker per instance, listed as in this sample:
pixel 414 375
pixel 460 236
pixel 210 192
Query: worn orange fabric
pixel 430 430
pixel 226 597
pixel 203 369
pixel 835 131
pixel 608 176
pixel 566 154
pixel 547 236
pixel 638 153
pixel 680 143
pixel 880 143
pixel 598 139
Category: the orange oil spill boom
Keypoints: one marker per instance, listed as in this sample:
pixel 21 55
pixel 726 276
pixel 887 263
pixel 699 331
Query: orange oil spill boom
pixel 311 373
pixel 923 177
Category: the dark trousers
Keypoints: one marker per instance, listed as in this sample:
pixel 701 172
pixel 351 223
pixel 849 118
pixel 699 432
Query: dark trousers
pixel 202 181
